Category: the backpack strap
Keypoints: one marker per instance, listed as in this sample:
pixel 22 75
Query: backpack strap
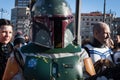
pixel 19 58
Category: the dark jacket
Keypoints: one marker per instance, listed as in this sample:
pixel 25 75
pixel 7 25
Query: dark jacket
pixel 5 51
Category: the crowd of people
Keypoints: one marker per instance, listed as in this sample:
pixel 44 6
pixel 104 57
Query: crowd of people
pixel 101 49
pixel 30 56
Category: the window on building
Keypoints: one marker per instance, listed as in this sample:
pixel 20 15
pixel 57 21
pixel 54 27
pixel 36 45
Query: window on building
pixel 82 37
pixel 83 19
pixel 92 19
pixel 87 36
pixel 87 23
pixel 87 19
pixel 101 20
pixel 96 19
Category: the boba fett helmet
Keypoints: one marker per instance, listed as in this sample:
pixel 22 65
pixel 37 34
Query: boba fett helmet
pixel 53 23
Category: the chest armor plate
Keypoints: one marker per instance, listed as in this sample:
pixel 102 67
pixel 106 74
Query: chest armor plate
pixel 41 68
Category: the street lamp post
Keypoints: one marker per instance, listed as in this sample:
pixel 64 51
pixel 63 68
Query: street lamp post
pixel 104 10
pixel 78 17
pixel 2 11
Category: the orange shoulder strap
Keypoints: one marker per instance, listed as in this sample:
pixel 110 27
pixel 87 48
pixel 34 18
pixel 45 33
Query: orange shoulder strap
pixel 11 69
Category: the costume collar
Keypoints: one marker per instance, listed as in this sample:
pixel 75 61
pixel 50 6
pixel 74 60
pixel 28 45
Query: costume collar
pixel 36 48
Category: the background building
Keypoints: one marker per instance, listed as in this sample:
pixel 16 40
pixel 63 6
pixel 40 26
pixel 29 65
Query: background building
pixel 116 26
pixel 21 3
pixel 20 16
pixel 88 19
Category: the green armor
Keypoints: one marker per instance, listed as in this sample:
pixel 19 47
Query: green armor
pixel 41 68
pixel 53 34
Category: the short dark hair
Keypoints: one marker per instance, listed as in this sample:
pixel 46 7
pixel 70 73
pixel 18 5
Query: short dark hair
pixel 5 22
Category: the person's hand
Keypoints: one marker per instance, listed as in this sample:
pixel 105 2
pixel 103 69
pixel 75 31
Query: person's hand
pixel 102 64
